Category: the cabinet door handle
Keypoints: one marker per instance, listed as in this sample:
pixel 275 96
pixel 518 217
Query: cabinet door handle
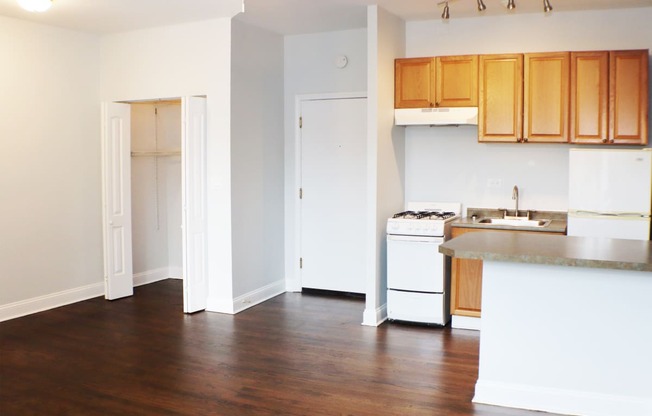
pixel 525 139
pixel 604 140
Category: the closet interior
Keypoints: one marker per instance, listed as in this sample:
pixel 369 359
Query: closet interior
pixel 156 190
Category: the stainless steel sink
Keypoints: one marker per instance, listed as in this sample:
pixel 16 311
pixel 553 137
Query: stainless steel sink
pixel 515 222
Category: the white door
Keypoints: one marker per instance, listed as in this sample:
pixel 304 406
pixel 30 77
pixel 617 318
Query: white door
pixel 116 196
pixel 193 180
pixel 333 204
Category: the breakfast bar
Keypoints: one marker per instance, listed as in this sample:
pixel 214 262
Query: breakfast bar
pixel 566 322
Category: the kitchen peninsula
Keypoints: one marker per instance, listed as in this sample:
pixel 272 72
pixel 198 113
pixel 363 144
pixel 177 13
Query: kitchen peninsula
pixel 565 322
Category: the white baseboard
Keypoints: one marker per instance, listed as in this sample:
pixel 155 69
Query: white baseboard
pixel 293 285
pixel 51 301
pixel 175 273
pixel 375 317
pixel 246 301
pixel 566 402
pixel 151 276
pixel 466 322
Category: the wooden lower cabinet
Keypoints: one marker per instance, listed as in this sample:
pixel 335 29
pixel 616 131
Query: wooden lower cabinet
pixel 466 281
pixel 466 278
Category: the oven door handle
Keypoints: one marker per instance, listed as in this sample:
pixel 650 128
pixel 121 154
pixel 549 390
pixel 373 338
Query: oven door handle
pixel 415 238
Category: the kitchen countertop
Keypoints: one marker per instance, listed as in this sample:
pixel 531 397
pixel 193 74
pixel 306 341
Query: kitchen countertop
pixel 552 249
pixel 557 224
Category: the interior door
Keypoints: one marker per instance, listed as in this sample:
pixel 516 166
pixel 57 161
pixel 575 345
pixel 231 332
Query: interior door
pixel 116 195
pixel 333 204
pixel 195 281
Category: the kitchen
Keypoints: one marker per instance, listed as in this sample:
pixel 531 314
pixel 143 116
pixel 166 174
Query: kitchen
pixel 477 175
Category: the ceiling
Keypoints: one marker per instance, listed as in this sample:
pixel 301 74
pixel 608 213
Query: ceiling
pixel 286 17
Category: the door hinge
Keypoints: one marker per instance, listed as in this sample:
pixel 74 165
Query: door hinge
pixel 300 122
pixel 301 262
pixel 300 193
pixel 156 110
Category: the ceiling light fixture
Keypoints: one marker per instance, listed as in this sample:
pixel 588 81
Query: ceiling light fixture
pixel 446 14
pixel 546 6
pixel 511 5
pixel 35 5
pixel 481 6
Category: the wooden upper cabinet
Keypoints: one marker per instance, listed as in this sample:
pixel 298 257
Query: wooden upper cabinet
pixel 628 96
pixel 589 97
pixel 443 81
pixel 414 83
pixel 456 81
pixel 500 101
pixel 546 97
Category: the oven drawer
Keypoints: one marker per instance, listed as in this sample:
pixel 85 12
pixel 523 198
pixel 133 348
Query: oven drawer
pixel 418 307
pixel 415 264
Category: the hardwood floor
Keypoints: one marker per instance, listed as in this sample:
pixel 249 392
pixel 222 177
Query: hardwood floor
pixel 296 354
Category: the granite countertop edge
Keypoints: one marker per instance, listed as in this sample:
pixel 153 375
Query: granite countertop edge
pixel 560 250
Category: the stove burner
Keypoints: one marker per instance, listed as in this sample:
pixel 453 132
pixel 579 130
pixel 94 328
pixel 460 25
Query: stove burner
pixel 427 215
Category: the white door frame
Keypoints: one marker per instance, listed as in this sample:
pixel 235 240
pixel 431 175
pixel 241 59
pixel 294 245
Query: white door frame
pixel 293 283
pixel 191 206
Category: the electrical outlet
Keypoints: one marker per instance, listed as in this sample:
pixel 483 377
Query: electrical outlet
pixel 494 183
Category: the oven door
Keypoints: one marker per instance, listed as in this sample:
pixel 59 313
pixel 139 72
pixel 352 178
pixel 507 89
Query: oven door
pixel 415 264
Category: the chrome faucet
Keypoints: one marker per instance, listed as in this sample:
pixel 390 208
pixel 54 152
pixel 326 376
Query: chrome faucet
pixel 515 198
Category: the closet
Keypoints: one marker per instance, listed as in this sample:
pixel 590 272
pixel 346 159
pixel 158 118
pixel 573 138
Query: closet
pixel 156 190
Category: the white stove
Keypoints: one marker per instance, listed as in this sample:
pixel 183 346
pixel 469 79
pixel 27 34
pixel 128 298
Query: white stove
pixel 424 219
pixel 418 276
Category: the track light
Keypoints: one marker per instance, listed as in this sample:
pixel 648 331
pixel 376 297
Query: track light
pixel 481 6
pixel 546 6
pixel 446 14
pixel 511 5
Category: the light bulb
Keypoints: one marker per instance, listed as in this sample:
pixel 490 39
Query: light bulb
pixel 35 5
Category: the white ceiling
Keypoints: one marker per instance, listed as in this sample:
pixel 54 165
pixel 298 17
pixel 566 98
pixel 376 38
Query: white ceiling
pixel 281 16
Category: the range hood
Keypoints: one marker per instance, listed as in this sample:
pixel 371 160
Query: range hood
pixel 449 116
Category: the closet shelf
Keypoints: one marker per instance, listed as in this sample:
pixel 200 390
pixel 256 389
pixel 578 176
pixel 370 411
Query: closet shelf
pixel 156 153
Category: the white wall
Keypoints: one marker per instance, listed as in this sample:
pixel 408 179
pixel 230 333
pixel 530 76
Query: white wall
pixel 256 163
pixel 175 61
pixel 447 164
pixel 386 147
pixel 50 214
pixel 310 69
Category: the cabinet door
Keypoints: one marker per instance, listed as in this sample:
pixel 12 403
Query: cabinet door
pixel 589 97
pixel 500 101
pixel 466 291
pixel 414 83
pixel 456 81
pixel 466 282
pixel 546 97
pixel 628 97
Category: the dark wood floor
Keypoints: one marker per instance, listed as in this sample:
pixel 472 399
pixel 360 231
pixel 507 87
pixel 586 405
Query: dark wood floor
pixel 293 355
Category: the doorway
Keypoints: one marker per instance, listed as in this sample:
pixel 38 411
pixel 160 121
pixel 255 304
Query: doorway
pixel 156 190
pixel 117 183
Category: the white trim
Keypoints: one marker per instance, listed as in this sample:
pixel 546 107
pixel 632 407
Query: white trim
pixel 293 278
pixel 466 322
pixel 258 296
pixel 219 305
pixel 50 301
pixel 374 317
pixel 568 402
pixel 156 275
pixel 246 301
